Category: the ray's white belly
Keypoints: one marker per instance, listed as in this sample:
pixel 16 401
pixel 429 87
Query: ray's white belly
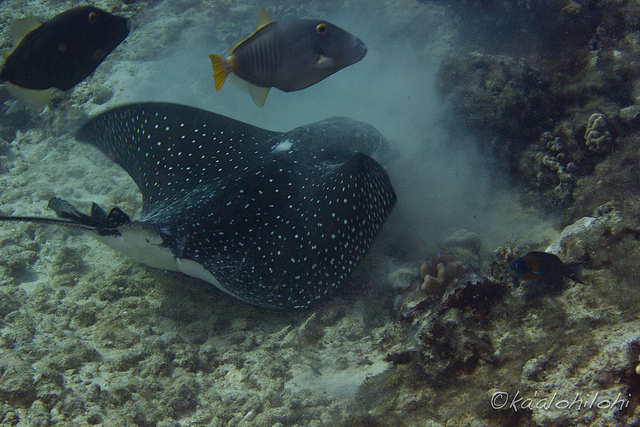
pixel 148 249
pixel 151 254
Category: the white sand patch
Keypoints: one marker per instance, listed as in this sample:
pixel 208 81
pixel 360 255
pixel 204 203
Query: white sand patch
pixel 335 383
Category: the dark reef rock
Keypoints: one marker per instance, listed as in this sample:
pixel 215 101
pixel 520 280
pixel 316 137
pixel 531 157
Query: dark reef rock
pixel 504 101
pixel 555 106
pixel 451 331
pixel 520 27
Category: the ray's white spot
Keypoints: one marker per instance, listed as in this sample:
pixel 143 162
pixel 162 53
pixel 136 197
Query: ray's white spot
pixel 285 145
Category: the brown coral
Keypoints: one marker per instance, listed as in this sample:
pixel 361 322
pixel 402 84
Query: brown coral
pixel 597 136
pixel 441 273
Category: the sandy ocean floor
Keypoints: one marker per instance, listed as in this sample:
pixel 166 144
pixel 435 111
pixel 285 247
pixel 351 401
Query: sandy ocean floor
pixel 89 337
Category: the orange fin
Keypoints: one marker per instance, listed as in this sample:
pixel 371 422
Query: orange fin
pixel 219 73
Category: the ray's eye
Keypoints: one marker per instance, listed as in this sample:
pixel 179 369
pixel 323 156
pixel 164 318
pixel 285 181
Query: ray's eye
pixel 321 28
pixel 93 17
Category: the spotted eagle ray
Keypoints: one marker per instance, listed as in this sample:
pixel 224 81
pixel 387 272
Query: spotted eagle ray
pixel 275 219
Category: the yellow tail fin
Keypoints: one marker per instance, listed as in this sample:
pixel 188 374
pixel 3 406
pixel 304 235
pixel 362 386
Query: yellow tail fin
pixel 219 73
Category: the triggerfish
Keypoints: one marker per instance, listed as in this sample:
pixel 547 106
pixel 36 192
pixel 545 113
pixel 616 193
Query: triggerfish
pixel 60 52
pixel 289 55
pixel 543 265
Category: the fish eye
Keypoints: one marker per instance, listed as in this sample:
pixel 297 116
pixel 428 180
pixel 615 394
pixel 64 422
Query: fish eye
pixel 321 28
pixel 93 17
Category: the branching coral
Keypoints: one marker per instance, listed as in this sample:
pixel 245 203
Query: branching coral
pixel 597 136
pixel 441 273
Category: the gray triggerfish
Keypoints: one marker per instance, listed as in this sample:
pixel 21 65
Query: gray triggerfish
pixel 60 52
pixel 289 55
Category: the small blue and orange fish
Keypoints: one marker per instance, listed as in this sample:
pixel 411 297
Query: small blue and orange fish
pixel 289 55
pixel 543 265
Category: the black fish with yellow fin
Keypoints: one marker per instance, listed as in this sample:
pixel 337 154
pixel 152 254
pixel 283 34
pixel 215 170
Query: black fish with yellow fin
pixel 60 52
pixel 288 55
pixel 543 265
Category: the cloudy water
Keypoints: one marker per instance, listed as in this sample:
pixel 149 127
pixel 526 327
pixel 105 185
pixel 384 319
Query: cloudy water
pixel 495 126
